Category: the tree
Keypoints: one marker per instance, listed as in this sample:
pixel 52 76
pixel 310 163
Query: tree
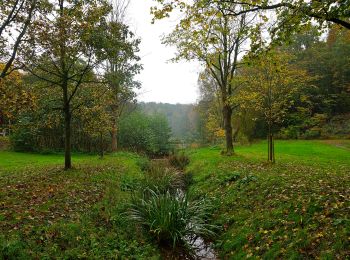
pixel 15 96
pixel 142 133
pixel 94 116
pixel 120 52
pixel 268 85
pixel 334 11
pixel 281 19
pixel 210 107
pixel 15 19
pixel 62 52
pixel 217 40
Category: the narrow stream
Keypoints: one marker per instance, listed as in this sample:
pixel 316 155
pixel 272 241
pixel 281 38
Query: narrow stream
pixel 202 249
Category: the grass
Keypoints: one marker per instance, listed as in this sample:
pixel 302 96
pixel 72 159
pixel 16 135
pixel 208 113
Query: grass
pixel 160 205
pixel 296 209
pixel 10 161
pixel 46 212
pixel 179 161
pixel 172 220
pixel 305 151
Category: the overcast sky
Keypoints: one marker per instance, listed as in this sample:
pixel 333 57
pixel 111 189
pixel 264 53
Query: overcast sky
pixel 162 81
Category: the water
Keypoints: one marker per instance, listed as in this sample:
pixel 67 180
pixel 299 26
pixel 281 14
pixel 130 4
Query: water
pixel 202 250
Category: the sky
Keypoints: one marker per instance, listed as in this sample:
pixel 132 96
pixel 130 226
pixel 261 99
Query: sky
pixel 162 80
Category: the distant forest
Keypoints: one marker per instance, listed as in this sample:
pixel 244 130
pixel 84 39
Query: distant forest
pixel 183 119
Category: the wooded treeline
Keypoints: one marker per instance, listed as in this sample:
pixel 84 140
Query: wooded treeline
pixel 318 103
pixel 68 81
pixel 317 108
pixel 251 71
pixel 67 74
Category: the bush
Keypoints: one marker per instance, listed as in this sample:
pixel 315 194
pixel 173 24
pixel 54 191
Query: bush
pixel 179 161
pixel 291 132
pixel 23 140
pixel 188 179
pixel 171 219
pixel 312 133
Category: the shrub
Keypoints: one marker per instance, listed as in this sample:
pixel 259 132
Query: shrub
pixel 23 140
pixel 313 133
pixel 179 161
pixel 4 142
pixel 172 220
pixel 291 132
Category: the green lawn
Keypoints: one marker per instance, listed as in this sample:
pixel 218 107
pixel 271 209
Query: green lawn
pixel 14 160
pixel 295 209
pixel 304 151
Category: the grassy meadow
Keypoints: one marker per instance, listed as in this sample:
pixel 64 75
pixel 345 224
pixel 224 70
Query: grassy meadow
pixel 298 208
pixel 46 212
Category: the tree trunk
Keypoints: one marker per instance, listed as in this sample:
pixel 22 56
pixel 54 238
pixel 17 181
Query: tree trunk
pixel 227 114
pixel 114 137
pixel 271 147
pixel 67 141
pixel 101 143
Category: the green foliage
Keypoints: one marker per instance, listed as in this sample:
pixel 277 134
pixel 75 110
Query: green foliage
pixel 179 160
pixel 12 248
pixel 129 183
pixel 23 140
pixel 182 118
pixel 142 133
pixel 338 126
pixel 312 133
pixel 4 143
pixel 291 132
pixel 144 164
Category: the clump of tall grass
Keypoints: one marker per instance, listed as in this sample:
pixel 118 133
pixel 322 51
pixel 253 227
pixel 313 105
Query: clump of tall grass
pixel 179 161
pixel 172 220
pixel 163 179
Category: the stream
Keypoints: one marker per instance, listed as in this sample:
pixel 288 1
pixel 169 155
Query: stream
pixel 203 250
